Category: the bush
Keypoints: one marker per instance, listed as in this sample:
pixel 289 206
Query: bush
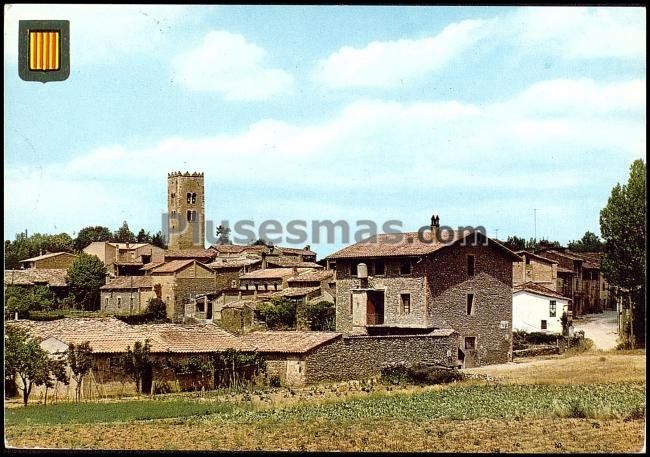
pixel 637 413
pixel 279 313
pixel 157 309
pixel 419 373
pixel 321 315
pixel 275 381
pixel 162 387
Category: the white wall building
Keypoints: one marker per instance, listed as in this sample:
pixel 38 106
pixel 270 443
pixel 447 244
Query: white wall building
pixel 537 309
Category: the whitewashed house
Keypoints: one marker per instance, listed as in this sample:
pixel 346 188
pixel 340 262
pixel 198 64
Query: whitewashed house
pixel 536 308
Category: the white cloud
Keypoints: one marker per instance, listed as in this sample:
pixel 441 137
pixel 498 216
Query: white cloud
pixel 581 33
pixel 419 151
pixel 227 64
pixel 101 33
pixel 393 63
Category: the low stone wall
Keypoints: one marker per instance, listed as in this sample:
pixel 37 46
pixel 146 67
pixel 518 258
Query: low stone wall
pixel 536 351
pixel 362 357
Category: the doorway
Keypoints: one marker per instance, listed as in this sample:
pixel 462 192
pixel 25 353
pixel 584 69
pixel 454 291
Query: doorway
pixel 375 307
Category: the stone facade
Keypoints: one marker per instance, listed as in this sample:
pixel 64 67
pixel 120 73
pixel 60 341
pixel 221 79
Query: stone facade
pixel 186 209
pixel 55 260
pixel 362 357
pixel 126 301
pixel 535 269
pixel 435 295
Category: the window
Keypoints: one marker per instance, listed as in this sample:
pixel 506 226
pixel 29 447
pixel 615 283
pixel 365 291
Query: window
pixel 173 195
pixel 552 308
pixel 380 268
pixel 470 265
pixel 405 303
pixel 191 216
pixel 470 342
pixel 233 284
pixel 544 325
pixel 189 197
pixel 351 301
pixel 119 301
pixel 106 302
pixel 470 304
pixel 200 306
pixel 405 268
pixel 193 197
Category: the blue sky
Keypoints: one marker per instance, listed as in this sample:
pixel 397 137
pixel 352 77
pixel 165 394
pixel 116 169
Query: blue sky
pixel 329 113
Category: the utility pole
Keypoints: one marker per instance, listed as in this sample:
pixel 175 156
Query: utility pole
pixel 496 234
pixel 535 222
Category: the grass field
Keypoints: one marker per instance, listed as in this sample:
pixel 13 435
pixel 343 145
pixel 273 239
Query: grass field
pixel 513 414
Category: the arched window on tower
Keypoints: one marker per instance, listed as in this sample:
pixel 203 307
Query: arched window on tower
pixel 189 197
pixel 193 197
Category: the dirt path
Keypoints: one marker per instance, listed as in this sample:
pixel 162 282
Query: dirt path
pixel 601 328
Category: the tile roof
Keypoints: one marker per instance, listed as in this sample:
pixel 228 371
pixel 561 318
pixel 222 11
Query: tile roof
pixel 268 273
pixel 172 266
pixel 110 335
pixel 536 256
pixel 311 276
pixel 295 291
pixel 151 266
pixel 127 245
pixel 301 251
pixel 291 262
pixel 231 263
pixel 288 342
pixel 239 248
pixel 564 270
pixel 240 304
pixel 47 256
pixel 55 277
pixel 537 289
pixel 410 244
pixel 190 254
pixel 568 255
pixel 129 282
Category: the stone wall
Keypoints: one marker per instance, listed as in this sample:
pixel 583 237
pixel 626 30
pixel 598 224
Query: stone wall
pixel 62 261
pixel 119 301
pixel 362 357
pixel 491 319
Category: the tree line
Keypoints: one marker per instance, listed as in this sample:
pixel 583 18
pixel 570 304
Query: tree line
pixel 25 246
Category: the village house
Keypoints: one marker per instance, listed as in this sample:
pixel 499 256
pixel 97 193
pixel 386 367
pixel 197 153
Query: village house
pixel 535 268
pixel 50 260
pixel 536 308
pixel 570 273
pixel 125 259
pixel 53 278
pixel 127 294
pixel 200 255
pixel 402 284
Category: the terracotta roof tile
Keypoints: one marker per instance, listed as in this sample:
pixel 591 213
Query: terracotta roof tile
pixel 190 254
pixel 54 277
pixel 291 342
pixel 47 256
pixel 172 266
pixel 129 282
pixel 268 273
pixel 538 289
pixel 295 291
pixel 410 244
pixel 311 276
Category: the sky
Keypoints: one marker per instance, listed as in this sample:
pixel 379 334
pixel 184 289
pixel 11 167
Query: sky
pixel 517 119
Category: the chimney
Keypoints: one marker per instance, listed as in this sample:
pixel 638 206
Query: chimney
pixel 435 227
pixel 308 248
pixel 295 271
pixel 40 252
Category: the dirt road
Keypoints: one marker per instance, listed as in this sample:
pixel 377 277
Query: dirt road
pixel 601 328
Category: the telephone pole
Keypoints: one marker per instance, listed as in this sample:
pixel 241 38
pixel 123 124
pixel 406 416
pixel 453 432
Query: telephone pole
pixel 535 222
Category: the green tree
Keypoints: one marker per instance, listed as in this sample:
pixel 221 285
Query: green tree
pixel 89 234
pixel 157 309
pixel 124 234
pixel 223 234
pixel 80 360
pixel 320 316
pixel 159 240
pixel 622 225
pixel 25 358
pixel 85 276
pixel 137 362
pixel 278 313
pixel 22 300
pixel 24 247
pixel 589 243
pixel 514 243
pixel 143 237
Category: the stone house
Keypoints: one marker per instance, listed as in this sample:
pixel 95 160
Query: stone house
pixel 127 294
pixel 414 283
pixel 125 259
pixel 299 358
pixel 200 255
pixel 53 278
pixel 178 281
pixel 570 274
pixel 50 260
pixel 535 268
pixel 536 308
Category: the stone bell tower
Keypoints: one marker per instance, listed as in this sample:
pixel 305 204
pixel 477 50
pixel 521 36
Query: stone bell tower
pixel 186 210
